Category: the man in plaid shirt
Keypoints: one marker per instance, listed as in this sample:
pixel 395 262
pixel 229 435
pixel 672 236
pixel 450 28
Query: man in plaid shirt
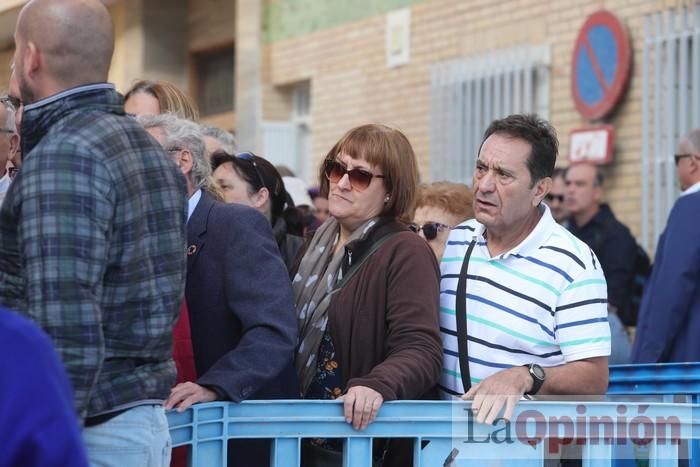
pixel 92 232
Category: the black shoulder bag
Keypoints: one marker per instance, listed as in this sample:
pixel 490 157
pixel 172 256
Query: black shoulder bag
pixel 461 314
pixel 356 267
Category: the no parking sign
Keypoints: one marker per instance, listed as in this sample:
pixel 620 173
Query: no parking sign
pixel 600 66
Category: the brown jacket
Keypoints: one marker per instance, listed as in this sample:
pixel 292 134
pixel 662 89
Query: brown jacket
pixel 384 322
pixel 385 326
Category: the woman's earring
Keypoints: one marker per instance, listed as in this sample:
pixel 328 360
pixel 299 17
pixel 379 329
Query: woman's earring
pixel 386 199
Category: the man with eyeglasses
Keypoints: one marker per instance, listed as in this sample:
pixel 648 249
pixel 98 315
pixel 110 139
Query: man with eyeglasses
pixel 687 161
pixel 593 221
pixel 556 197
pixel 9 142
pixel 669 316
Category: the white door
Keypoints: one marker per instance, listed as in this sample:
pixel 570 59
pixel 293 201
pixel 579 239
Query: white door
pixel 283 145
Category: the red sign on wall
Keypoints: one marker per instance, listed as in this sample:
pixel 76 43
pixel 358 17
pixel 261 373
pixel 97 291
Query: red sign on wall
pixel 592 144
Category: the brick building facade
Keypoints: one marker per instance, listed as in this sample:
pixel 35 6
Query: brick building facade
pixel 307 70
pixel 350 83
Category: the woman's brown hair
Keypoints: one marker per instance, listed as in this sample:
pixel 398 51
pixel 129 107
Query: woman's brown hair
pixel 389 150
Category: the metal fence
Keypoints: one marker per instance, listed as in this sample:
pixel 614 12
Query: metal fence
pixel 468 93
pixel 670 107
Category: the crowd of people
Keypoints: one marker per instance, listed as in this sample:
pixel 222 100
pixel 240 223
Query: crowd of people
pixel 135 237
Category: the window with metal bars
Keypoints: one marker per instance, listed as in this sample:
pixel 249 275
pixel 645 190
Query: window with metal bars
pixel 467 94
pixel 670 97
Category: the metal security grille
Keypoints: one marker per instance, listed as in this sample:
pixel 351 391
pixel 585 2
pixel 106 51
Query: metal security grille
pixel 670 107
pixel 469 93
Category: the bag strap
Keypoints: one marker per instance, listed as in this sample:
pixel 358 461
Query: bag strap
pixel 356 267
pixel 461 313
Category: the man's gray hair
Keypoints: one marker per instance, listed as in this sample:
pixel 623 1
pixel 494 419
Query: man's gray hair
pixel 179 133
pixel 693 137
pixel 227 140
pixel 10 115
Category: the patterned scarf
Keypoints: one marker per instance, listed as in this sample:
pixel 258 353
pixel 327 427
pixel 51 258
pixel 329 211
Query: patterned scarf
pixel 319 271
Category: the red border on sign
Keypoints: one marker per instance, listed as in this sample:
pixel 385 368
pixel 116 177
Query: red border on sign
pixel 615 92
pixel 608 150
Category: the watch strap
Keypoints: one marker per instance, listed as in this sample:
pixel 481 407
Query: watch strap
pixel 536 382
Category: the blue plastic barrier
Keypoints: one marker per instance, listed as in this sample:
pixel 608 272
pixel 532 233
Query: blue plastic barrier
pixel 606 430
pixel 667 382
pixel 661 379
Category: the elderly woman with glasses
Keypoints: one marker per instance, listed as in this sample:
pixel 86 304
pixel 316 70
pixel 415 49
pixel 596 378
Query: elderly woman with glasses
pixel 367 290
pixel 441 206
pixel 251 180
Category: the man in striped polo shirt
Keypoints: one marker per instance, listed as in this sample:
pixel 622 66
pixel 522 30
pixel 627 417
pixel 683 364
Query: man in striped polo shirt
pixel 536 297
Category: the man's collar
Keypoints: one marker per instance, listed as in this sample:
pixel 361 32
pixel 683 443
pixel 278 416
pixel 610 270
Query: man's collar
pixel 5 181
pixel 193 201
pixel 533 240
pixel 68 93
pixel 691 189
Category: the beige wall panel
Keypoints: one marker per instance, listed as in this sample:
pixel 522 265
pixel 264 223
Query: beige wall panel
pixel 211 23
pixel 127 61
pixel 6 56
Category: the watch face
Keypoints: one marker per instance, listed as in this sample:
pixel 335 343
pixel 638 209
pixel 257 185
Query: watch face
pixel 537 372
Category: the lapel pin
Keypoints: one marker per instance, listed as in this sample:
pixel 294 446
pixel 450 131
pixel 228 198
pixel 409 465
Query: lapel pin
pixel 191 250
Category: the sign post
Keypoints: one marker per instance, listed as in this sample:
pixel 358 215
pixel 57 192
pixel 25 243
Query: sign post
pixel 600 72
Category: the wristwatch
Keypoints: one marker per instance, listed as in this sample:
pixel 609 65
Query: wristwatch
pixel 537 373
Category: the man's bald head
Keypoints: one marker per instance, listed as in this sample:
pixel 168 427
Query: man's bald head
pixel 74 37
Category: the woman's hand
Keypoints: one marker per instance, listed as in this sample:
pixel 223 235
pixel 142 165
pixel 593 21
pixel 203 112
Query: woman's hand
pixel 361 405
pixel 185 394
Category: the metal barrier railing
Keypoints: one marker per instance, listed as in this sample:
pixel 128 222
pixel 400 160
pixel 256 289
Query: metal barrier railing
pixel 446 434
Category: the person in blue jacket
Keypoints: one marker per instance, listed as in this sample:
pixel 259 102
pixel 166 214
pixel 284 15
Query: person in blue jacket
pixel 240 303
pixel 669 316
pixel 38 424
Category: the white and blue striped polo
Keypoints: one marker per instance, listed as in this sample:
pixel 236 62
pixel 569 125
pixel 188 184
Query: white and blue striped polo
pixel 544 302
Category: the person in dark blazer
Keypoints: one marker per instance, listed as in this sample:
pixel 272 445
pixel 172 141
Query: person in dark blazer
pixel 239 300
pixel 669 315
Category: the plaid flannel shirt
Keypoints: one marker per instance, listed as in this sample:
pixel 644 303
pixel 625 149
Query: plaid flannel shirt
pixel 92 246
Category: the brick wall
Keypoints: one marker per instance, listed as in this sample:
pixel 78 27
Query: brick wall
pixel 351 83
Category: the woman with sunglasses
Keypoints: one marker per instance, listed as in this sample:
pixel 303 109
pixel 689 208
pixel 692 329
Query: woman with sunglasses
pixel 251 180
pixel 441 206
pixel 367 290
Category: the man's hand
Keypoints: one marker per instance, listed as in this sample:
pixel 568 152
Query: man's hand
pixel 184 395
pixel 361 405
pixel 503 388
